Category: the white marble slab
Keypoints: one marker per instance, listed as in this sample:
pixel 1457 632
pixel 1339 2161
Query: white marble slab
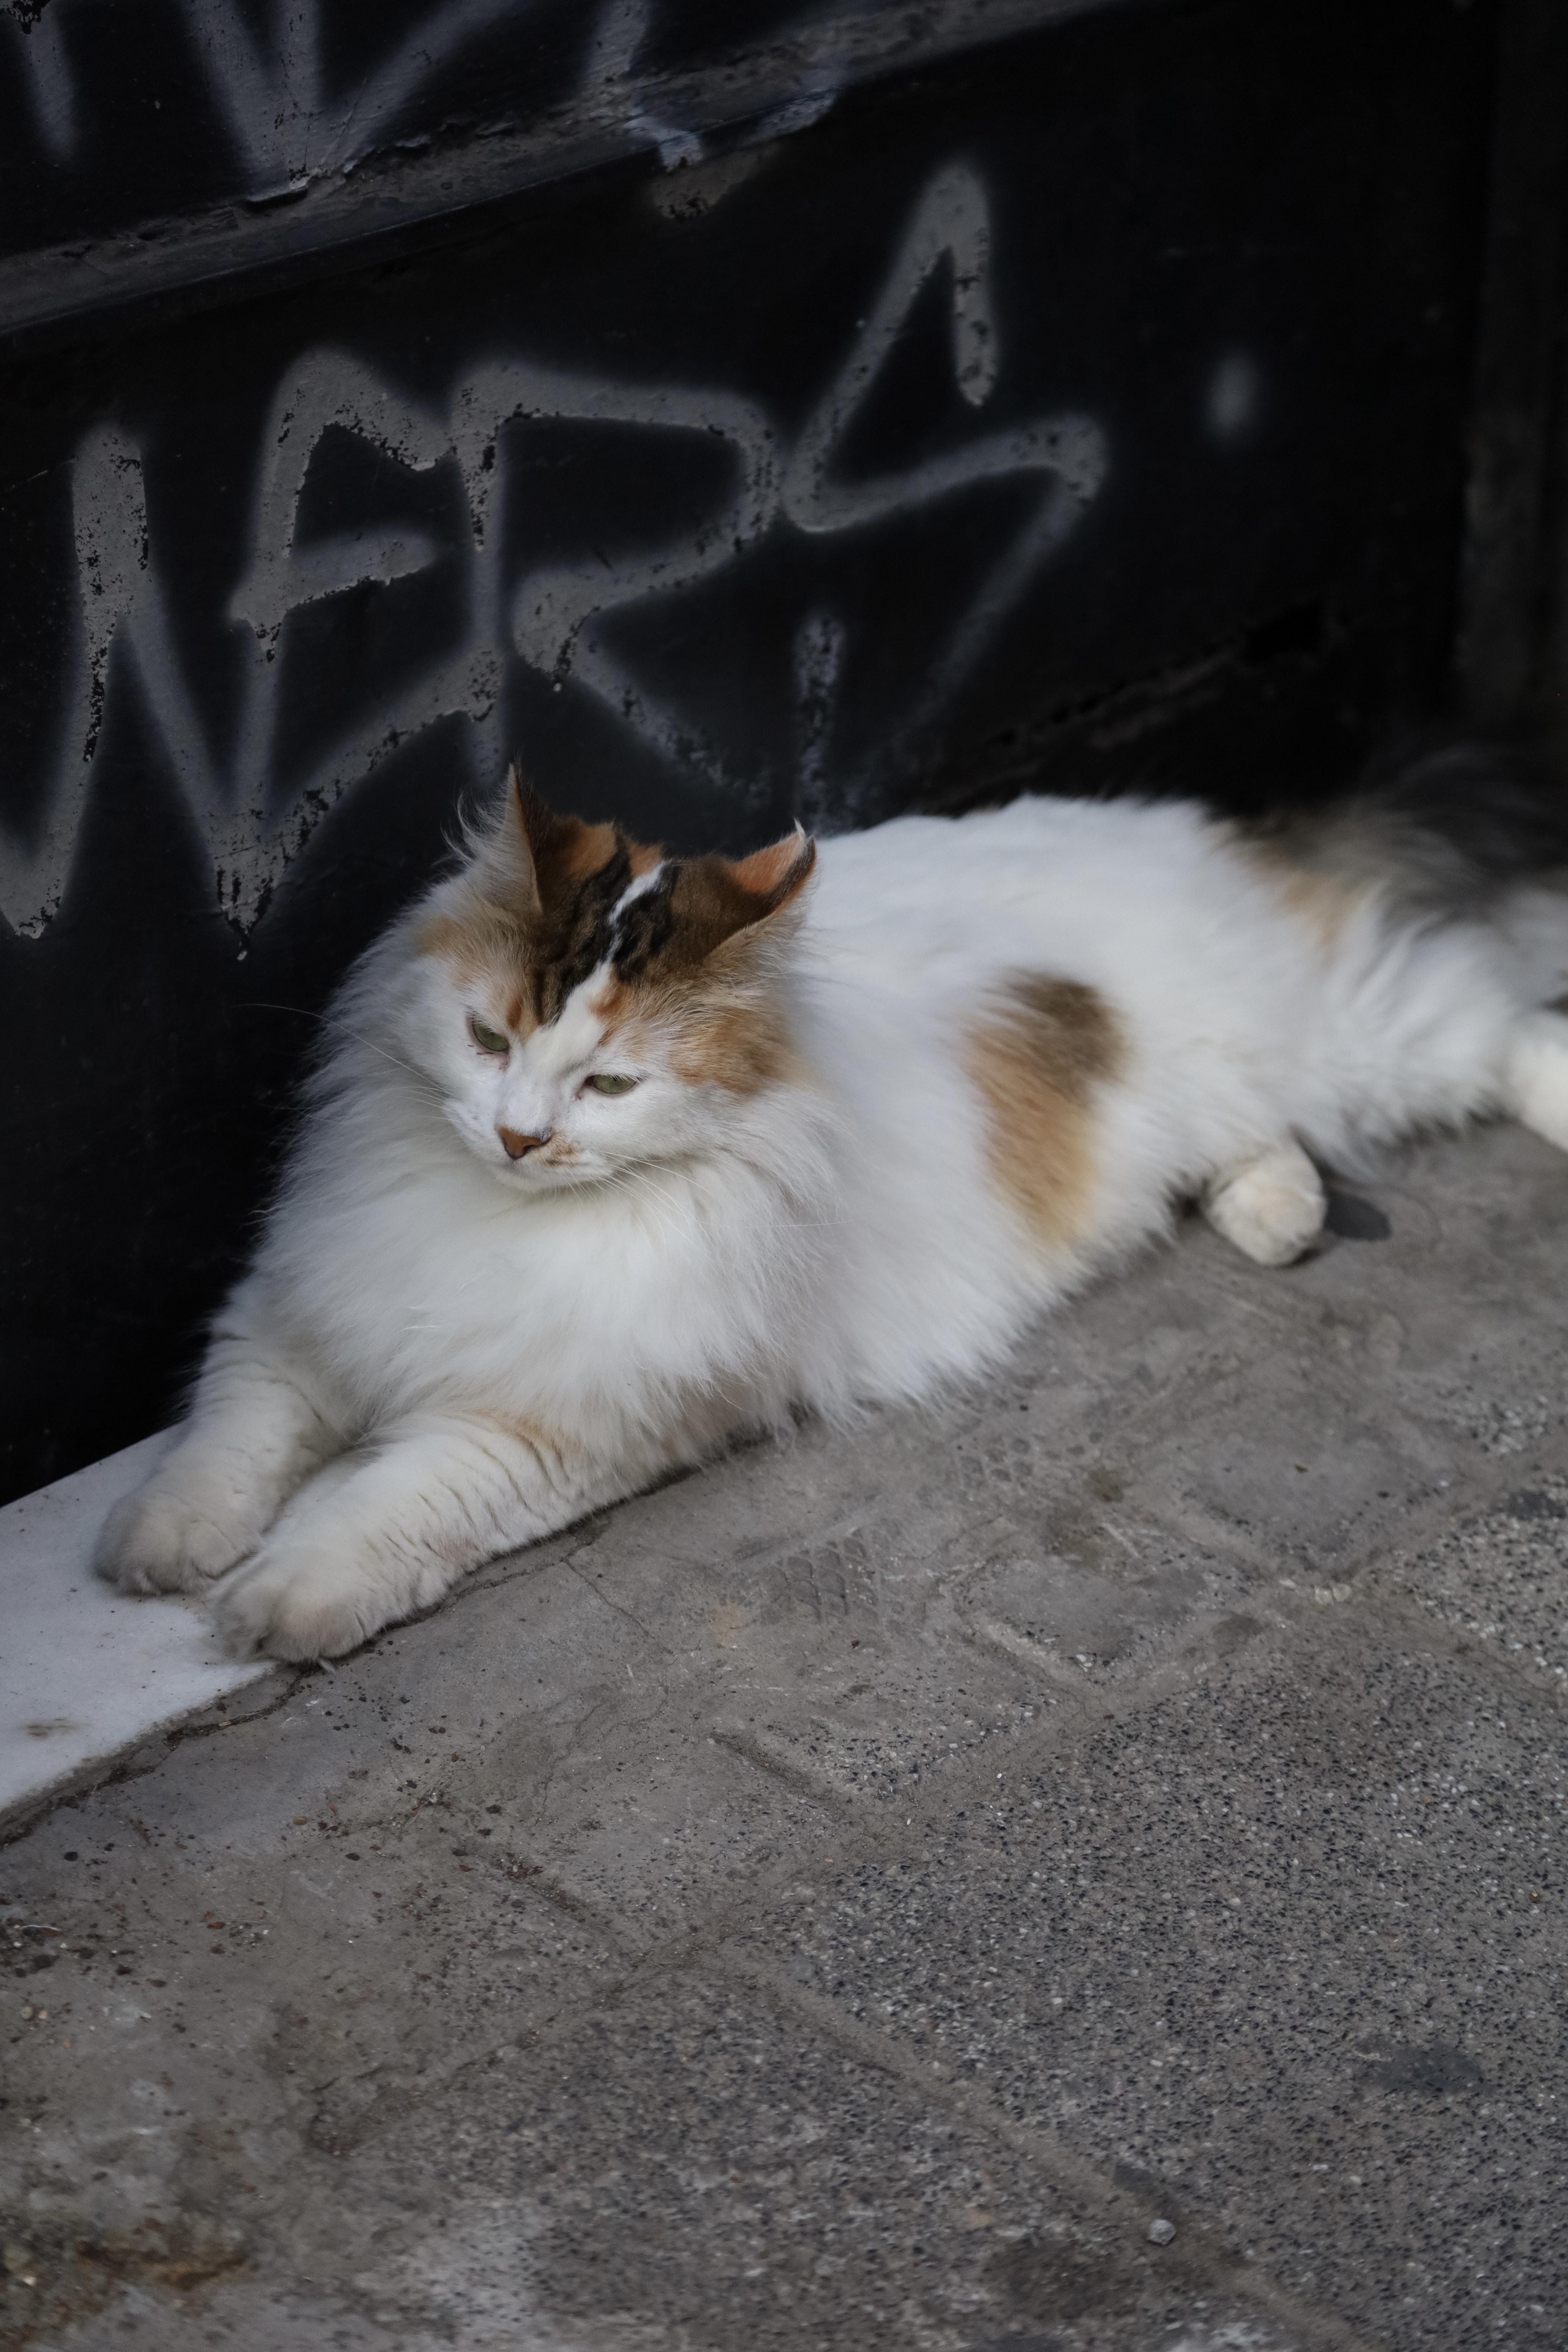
pixel 83 1670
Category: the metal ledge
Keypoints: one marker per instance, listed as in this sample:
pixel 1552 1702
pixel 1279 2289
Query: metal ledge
pixel 777 87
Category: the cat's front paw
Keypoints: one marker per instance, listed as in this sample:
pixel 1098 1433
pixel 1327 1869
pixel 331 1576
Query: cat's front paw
pixel 299 1601
pixel 167 1537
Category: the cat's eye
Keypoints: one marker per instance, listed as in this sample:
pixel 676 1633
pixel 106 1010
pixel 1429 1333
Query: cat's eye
pixel 607 1082
pixel 488 1040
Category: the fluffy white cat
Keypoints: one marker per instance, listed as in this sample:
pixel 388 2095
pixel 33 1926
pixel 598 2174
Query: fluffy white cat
pixel 612 1155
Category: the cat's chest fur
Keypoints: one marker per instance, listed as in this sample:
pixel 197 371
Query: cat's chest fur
pixel 433 1283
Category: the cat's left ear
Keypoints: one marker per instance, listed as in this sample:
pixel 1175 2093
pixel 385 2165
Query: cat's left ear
pixel 772 876
pixel 720 899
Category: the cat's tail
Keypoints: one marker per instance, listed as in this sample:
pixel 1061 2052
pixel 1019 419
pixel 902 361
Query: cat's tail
pixel 1465 832
pixel 1455 832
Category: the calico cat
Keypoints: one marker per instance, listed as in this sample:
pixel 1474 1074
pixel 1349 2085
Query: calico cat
pixel 613 1155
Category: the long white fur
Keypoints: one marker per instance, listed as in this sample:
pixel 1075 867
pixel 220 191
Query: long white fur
pixel 440 1355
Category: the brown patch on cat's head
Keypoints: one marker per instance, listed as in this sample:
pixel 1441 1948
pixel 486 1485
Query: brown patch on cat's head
pixel 694 959
pixel 564 879
pixel 1039 1058
pixel 703 908
pixel 546 906
pixel 534 916
pixel 546 858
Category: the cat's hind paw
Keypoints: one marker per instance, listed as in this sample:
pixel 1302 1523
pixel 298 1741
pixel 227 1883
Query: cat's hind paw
pixel 1537 1079
pixel 165 1537
pixel 1271 1208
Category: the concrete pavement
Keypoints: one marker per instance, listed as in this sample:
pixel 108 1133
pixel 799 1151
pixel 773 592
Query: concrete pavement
pixel 1082 1869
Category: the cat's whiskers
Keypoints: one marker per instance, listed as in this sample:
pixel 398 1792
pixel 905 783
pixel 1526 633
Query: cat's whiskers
pixel 327 1020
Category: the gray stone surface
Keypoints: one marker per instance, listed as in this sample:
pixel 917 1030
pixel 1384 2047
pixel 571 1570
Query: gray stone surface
pixel 1500 1577
pixel 1286 1943
pixel 849 1896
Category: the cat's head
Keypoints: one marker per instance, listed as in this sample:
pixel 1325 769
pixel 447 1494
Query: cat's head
pixel 587 1005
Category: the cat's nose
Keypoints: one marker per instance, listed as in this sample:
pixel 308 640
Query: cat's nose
pixel 518 1146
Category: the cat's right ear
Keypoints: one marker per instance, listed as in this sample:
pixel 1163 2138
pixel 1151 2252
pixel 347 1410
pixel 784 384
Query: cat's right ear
pixel 534 857
pixel 510 866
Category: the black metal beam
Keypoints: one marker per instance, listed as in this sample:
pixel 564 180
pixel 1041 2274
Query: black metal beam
pixel 443 168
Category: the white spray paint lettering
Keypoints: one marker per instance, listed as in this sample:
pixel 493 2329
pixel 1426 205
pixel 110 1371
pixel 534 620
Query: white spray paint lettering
pixel 558 618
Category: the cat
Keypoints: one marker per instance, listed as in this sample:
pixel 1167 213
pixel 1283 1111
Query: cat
pixel 614 1156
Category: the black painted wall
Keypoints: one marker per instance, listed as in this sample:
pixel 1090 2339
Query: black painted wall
pixel 1085 407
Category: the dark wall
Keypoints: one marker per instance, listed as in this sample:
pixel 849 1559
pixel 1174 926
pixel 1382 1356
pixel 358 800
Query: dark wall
pixel 1085 408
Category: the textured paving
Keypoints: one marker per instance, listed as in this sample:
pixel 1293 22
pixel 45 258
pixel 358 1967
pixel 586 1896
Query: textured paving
pixel 846 1898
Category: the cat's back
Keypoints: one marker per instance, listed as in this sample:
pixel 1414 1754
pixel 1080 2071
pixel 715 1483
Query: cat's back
pixel 1074 885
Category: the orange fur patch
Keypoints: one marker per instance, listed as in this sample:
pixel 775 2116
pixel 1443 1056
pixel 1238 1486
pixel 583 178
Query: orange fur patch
pixel 739 1046
pixel 1324 901
pixel 721 1036
pixel 1038 1059
pixel 484 944
pixel 768 872
pixel 584 849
